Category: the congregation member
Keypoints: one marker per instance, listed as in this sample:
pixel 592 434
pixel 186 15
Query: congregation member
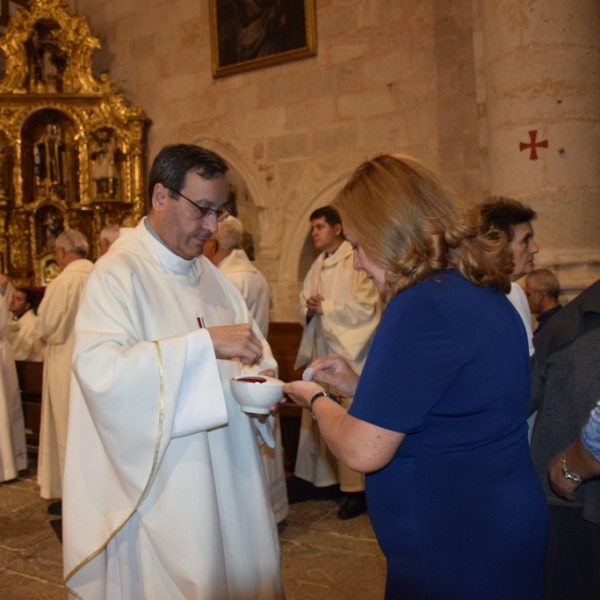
pixel 224 251
pixel 566 388
pixel 165 493
pixel 13 448
pixel 542 290
pixel 579 463
pixel 21 327
pixel 55 326
pixel 438 417
pixel 339 311
pixel 513 218
pixel 108 235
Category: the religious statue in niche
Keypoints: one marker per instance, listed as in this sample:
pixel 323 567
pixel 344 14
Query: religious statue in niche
pixel 49 225
pixel 47 60
pixel 49 162
pixel 103 152
pixel 50 271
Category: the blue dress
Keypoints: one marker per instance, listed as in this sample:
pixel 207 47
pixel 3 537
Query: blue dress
pixel 459 511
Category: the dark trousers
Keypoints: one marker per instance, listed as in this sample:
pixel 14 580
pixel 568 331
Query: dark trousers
pixel 573 567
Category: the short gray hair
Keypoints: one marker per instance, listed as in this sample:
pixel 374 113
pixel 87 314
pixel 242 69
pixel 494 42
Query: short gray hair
pixel 110 233
pixel 71 240
pixel 545 280
pixel 229 234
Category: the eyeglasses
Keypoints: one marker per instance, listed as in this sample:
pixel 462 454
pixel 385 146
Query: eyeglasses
pixel 206 213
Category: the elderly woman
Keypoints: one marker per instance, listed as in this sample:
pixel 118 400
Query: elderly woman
pixel 438 419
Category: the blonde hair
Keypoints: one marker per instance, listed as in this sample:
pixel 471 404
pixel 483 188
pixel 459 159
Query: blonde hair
pixel 410 224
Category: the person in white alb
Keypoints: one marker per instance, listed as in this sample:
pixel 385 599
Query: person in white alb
pixel 13 449
pixel 339 310
pixel 21 327
pixel 55 326
pixel 223 250
pixel 165 493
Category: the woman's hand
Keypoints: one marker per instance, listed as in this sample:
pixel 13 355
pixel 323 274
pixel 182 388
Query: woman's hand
pixel 337 372
pixel 301 392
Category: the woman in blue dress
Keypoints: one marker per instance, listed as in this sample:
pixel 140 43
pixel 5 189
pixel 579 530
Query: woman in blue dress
pixel 438 421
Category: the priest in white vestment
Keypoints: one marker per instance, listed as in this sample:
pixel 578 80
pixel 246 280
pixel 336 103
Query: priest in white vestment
pixel 13 449
pixel 55 326
pixel 339 310
pixel 22 335
pixel 224 251
pixel 165 494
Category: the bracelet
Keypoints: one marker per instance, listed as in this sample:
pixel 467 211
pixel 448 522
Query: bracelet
pixel 568 475
pixel 320 395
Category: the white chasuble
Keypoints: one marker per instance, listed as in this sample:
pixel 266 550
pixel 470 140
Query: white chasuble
pixel 55 326
pixel 351 313
pixel 254 289
pixel 165 494
pixel 13 450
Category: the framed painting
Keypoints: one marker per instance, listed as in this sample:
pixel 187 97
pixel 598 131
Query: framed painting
pixel 252 34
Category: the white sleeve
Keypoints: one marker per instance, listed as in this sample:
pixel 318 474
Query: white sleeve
pixel 519 301
pixel 199 411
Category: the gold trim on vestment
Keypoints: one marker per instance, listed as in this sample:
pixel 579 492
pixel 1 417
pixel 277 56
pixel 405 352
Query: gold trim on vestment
pixel 91 557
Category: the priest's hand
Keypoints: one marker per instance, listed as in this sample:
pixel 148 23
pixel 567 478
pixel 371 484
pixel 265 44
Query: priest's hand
pixel 337 372
pixel 236 341
pixel 313 305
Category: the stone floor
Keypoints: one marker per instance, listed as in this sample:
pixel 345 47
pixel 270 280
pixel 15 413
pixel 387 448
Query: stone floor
pixel 322 557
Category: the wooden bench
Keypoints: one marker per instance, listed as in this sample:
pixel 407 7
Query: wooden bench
pixel 30 383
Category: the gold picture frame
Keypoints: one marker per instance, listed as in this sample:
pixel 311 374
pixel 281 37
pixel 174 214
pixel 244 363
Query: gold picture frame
pixel 252 34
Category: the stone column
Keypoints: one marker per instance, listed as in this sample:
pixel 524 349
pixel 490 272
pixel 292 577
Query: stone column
pixel 538 65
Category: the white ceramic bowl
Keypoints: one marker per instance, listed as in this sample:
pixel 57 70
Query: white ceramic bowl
pixel 256 393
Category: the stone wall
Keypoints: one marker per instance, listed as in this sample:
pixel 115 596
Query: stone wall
pixel 389 76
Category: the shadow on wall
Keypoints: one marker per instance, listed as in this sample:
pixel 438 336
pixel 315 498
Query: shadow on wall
pixel 308 256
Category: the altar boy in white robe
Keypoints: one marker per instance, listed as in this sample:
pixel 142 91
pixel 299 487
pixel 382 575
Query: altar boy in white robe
pixel 165 493
pixel 339 310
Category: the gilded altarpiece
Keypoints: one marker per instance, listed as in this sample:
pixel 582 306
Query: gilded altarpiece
pixel 72 150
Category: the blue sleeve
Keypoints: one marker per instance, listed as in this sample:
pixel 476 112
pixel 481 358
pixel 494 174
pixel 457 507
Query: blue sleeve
pixel 412 361
pixel 590 437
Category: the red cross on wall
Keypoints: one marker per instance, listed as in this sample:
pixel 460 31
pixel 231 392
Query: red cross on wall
pixel 533 145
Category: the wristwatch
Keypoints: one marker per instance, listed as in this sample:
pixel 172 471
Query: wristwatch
pixel 568 475
pixel 326 395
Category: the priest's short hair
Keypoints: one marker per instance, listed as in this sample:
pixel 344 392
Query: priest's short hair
pixel 71 240
pixel 175 161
